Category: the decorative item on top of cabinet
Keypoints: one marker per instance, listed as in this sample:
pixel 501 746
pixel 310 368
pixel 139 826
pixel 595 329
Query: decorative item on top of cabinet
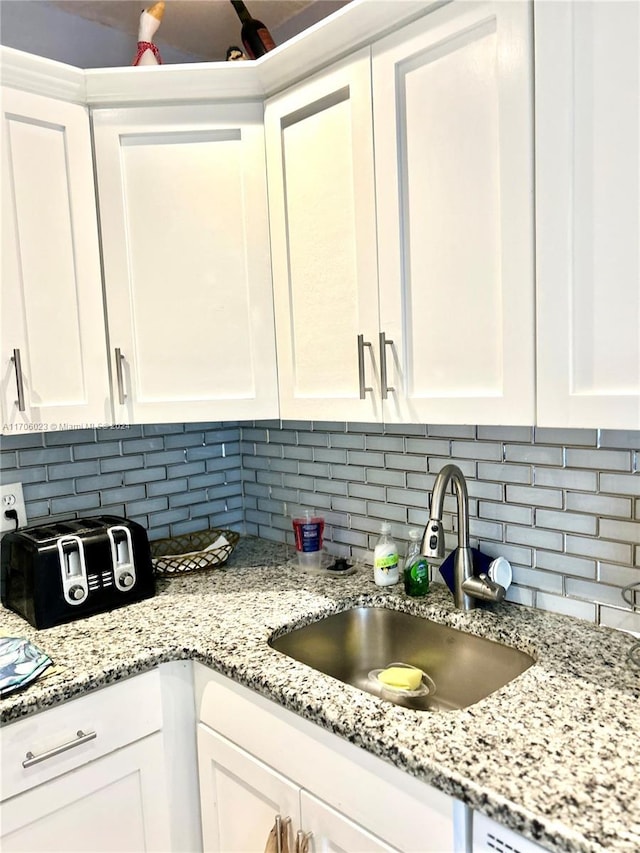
pixel 588 214
pixel 185 242
pixel 150 19
pixel 54 372
pixel 256 38
pixel 235 54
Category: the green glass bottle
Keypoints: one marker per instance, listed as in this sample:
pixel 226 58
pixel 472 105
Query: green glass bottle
pixel 416 567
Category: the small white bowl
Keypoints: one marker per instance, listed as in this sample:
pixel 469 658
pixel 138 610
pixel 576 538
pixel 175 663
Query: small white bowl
pixel 500 572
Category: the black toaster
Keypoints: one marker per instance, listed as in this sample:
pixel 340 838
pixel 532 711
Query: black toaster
pixel 55 573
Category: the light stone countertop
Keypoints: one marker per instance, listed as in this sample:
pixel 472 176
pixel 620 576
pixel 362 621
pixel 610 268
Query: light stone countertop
pixel 554 755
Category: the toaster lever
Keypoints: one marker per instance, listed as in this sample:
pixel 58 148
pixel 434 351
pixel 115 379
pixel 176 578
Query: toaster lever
pixel 71 556
pixel 124 572
pixel 75 586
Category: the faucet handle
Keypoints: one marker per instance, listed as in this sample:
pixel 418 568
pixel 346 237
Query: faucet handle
pixel 482 587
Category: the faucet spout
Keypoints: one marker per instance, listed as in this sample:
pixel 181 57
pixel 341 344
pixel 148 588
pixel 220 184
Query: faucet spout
pixel 433 537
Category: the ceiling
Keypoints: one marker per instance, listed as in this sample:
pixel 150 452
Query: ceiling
pixel 203 28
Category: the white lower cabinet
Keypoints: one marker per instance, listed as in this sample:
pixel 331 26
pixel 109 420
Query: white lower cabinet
pixel 257 760
pixel 241 796
pixel 111 772
pixel 113 804
pixel 328 829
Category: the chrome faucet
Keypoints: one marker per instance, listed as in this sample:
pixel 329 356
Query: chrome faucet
pixel 467 588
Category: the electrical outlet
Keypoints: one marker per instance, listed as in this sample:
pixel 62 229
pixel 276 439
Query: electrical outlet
pixel 11 499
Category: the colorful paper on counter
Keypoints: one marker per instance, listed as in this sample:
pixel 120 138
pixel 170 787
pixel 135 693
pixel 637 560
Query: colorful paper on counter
pixel 20 663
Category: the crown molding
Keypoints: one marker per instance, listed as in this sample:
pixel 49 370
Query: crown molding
pixel 42 76
pixel 353 26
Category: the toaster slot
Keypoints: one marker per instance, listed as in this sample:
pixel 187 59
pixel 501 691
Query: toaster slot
pixel 124 571
pixel 73 569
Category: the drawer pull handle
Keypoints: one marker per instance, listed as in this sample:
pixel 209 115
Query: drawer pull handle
pixel 80 738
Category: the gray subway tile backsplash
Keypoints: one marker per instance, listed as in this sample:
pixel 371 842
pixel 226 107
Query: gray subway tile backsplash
pixel 627 531
pixel 133 471
pixel 567 606
pixel 538 454
pixel 620 438
pixel 566 437
pixel 563 506
pixel 602 505
pixel 534 496
pixel 623 484
pixel 601 460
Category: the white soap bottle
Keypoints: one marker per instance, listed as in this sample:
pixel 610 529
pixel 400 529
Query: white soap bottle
pixel 385 558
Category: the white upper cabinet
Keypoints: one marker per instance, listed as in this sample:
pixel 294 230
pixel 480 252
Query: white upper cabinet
pixel 53 348
pixel 588 213
pixel 185 241
pixel 453 118
pixel 404 282
pixel 323 242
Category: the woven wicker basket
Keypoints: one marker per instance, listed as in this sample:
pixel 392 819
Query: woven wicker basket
pixel 192 552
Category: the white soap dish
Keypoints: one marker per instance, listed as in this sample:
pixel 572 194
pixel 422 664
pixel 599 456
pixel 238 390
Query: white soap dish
pixel 427 685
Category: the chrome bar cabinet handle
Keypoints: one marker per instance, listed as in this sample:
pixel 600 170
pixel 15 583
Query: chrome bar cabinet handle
pixel 302 841
pixel 119 377
pixel 278 834
pixel 80 738
pixel 361 372
pixel 17 363
pixel 384 343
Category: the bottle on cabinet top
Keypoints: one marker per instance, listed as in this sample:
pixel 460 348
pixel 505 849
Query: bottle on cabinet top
pixel 256 38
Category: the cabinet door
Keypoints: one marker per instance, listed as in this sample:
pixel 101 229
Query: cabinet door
pixel 117 803
pixel 186 256
pixel 52 310
pixel 240 797
pixel 452 99
pixel 588 214
pixel 323 240
pixel 332 831
pixel 357 787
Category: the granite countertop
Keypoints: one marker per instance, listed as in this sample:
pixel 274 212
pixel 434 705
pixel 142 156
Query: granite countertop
pixel 554 755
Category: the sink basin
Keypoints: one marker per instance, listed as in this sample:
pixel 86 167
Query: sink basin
pixel 459 668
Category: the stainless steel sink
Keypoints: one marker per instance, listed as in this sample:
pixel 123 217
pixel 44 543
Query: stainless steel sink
pixel 460 668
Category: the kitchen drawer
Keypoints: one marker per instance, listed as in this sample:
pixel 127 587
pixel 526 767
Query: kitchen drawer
pixel 118 715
